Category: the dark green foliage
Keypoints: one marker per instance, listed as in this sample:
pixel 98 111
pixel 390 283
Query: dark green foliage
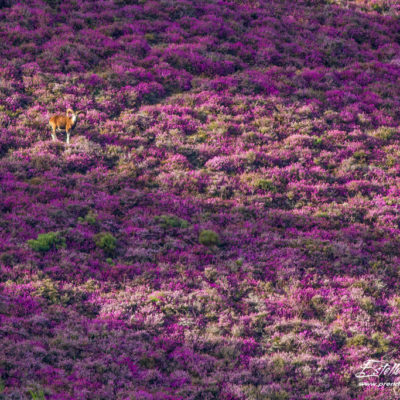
pixel 48 291
pixel 379 343
pixel 339 336
pixel 6 258
pixel 90 218
pixel 47 241
pixel 360 156
pixel 357 340
pixel 37 394
pixel 110 261
pixel 385 133
pixel 266 184
pixel 105 241
pixel 171 221
pixel 317 141
pixel 380 8
pixel 209 238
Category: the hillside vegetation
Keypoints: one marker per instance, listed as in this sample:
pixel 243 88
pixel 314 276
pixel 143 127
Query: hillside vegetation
pixel 225 222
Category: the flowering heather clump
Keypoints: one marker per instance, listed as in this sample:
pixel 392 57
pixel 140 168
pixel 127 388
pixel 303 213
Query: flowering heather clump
pixel 224 224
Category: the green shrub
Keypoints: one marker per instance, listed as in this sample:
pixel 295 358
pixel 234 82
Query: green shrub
pixel 317 141
pixel 339 336
pixel 46 242
pixel 380 8
pixel 209 238
pixel 90 218
pixel 254 392
pixel 385 133
pixel 171 221
pixel 266 184
pixel 105 241
pixel 6 259
pixel 380 343
pixel 360 156
pixel 156 297
pixel 367 305
pixel 357 340
pixel 49 291
pixel 37 395
pixel 278 366
pixel 317 304
pixel 315 248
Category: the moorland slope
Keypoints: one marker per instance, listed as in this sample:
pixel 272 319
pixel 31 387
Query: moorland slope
pixel 225 222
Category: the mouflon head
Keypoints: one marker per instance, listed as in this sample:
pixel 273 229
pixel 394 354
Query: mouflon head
pixel 71 114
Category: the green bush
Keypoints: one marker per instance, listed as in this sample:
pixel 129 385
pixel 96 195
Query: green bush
pixel 317 141
pixel 90 218
pixel 256 392
pixel 46 242
pixel 171 221
pixel 385 133
pixel 367 305
pixel 6 258
pixel 339 336
pixel 380 8
pixel 37 395
pixel 357 340
pixel 317 304
pixel 380 343
pixel 49 291
pixel 266 184
pixel 105 241
pixel 209 238
pixel 360 156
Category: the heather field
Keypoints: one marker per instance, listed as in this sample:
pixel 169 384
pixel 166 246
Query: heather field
pixel 225 223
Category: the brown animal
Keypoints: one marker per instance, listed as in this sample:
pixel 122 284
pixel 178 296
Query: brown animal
pixel 64 122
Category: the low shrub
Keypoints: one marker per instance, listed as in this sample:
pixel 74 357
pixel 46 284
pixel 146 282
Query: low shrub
pixel 105 241
pixel 209 238
pixel 90 218
pixel 266 184
pixel 49 291
pixel 47 241
pixel 171 221
pixel 357 340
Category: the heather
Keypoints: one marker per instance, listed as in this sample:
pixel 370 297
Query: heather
pixel 225 221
